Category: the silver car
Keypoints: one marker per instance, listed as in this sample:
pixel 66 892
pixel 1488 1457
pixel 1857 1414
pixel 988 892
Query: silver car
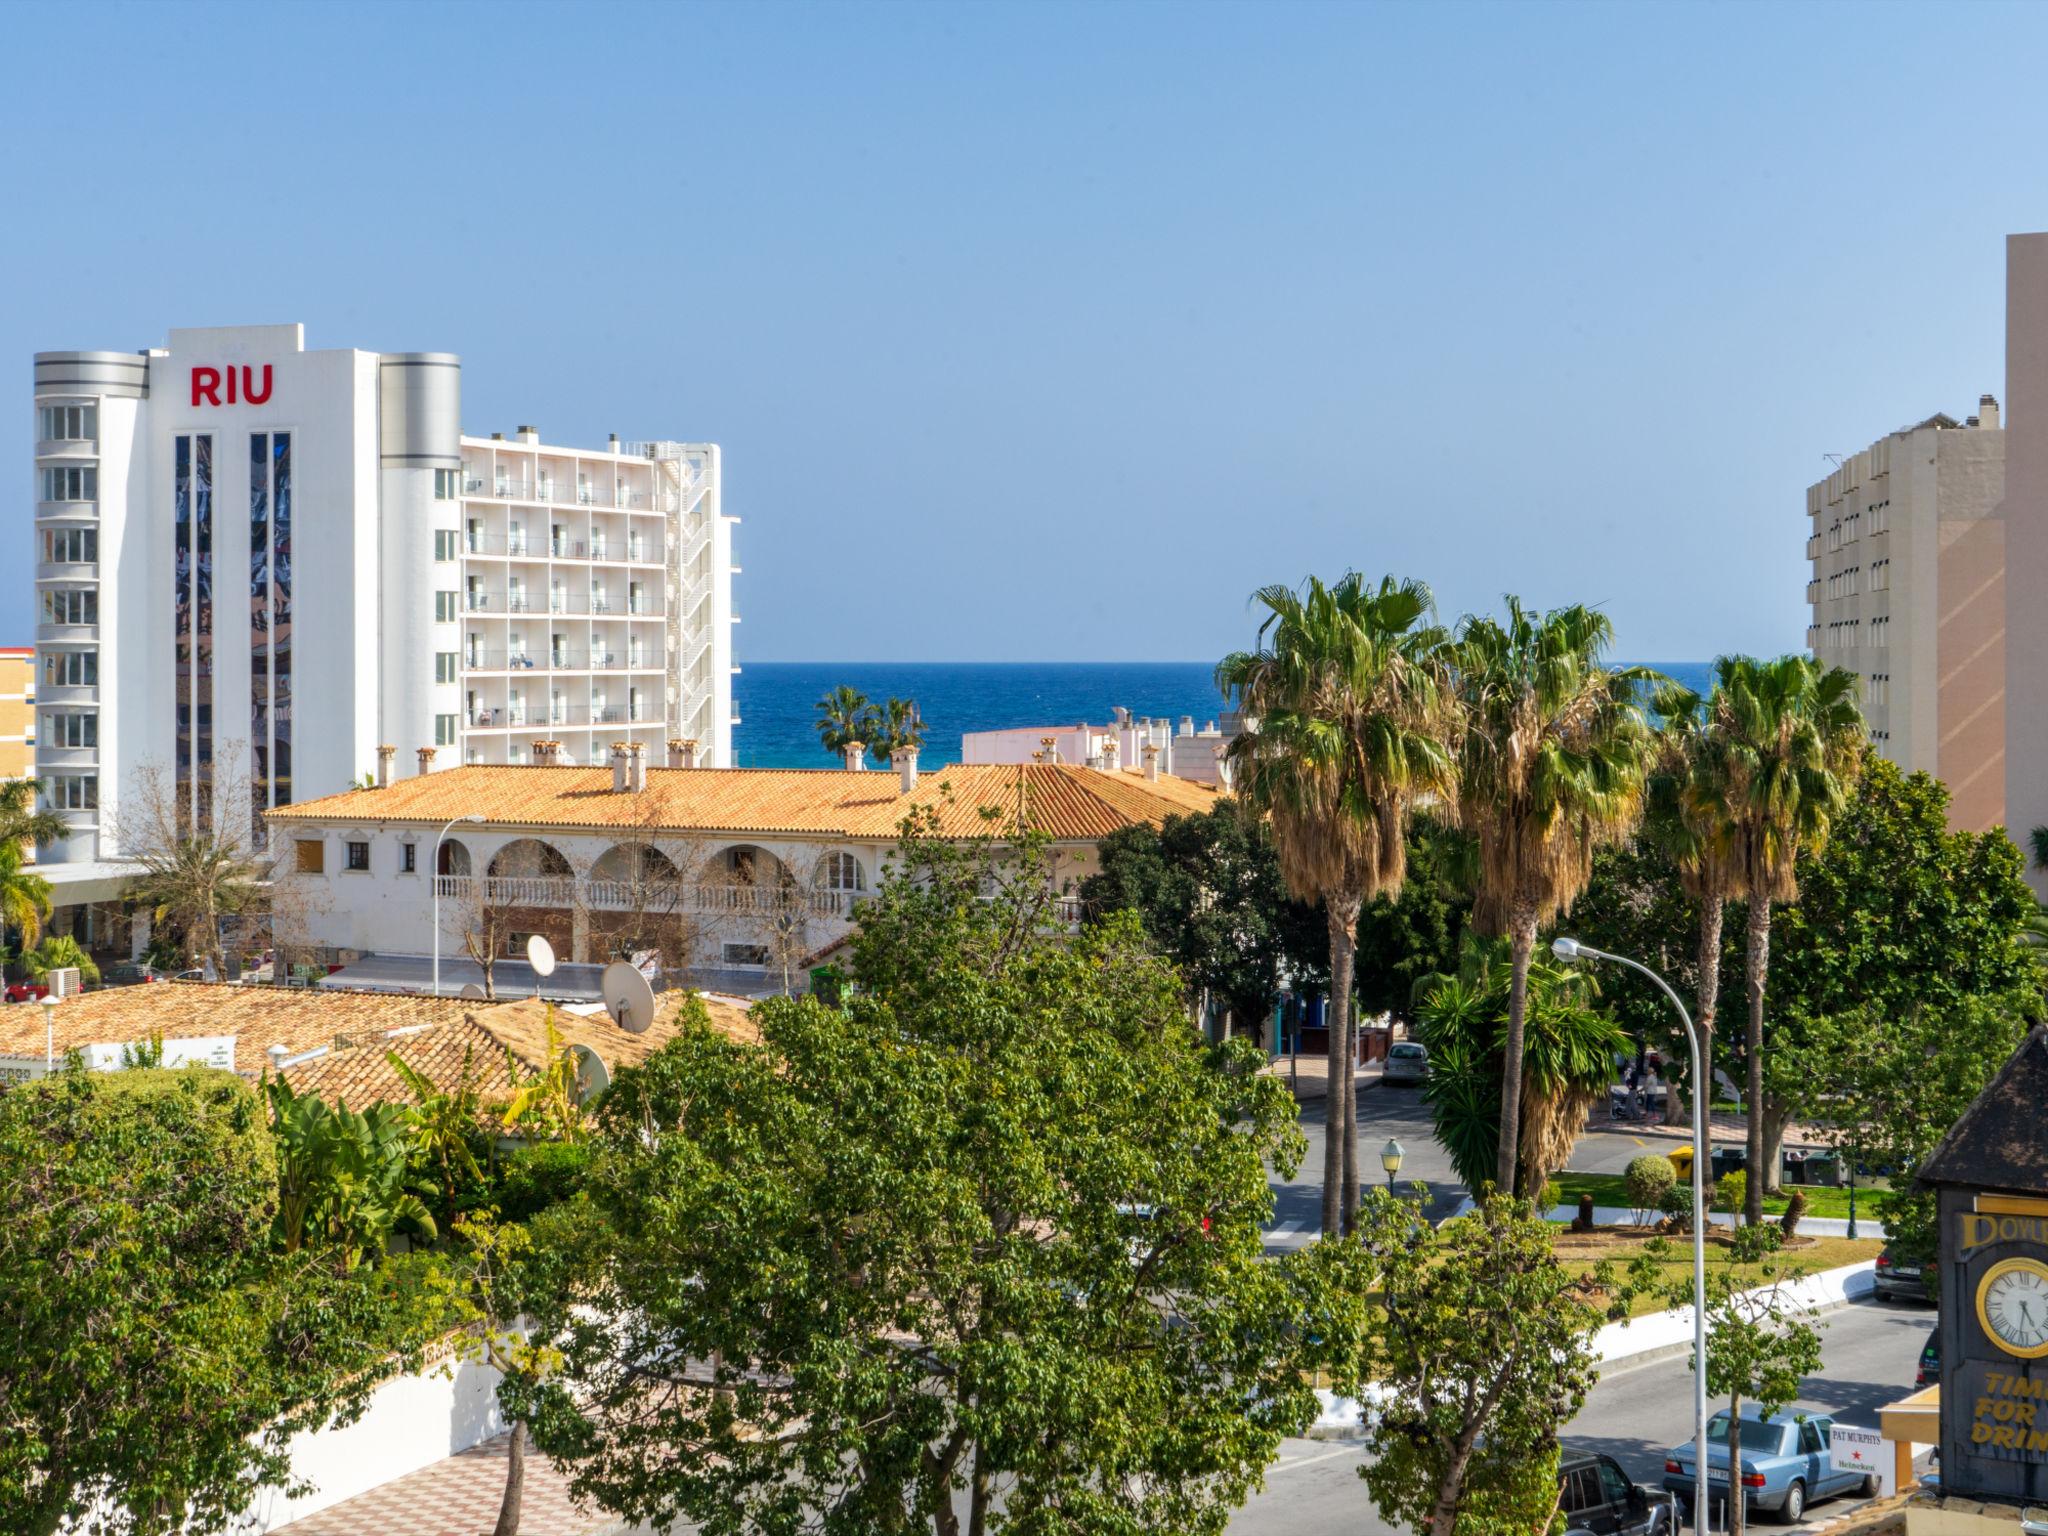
pixel 1407 1062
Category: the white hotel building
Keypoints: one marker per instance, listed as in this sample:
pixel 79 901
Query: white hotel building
pixel 389 581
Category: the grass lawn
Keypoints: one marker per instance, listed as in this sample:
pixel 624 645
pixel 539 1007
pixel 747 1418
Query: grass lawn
pixel 1584 1250
pixel 1606 1189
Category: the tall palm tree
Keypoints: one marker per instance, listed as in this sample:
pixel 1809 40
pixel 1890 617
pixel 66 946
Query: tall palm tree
pixel 895 725
pixel 20 821
pixel 1690 818
pixel 1552 760
pixel 844 717
pixel 24 894
pixel 1344 703
pixel 1793 743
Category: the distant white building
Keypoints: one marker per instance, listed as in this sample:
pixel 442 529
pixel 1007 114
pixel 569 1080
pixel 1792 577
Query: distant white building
pixel 262 561
pixel 1131 742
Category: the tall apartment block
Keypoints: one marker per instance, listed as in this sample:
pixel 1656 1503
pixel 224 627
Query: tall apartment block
pixel 2026 539
pixel 1907 589
pixel 257 564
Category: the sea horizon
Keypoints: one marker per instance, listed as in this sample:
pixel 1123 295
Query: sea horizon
pixel 776 700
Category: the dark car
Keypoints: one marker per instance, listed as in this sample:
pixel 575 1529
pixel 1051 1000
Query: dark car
pixel 1599 1499
pixel 1930 1362
pixel 129 975
pixel 1899 1278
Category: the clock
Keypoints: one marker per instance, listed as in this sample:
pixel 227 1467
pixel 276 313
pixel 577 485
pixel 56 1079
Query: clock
pixel 2012 1306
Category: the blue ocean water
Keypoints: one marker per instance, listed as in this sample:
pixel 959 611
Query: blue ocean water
pixel 777 700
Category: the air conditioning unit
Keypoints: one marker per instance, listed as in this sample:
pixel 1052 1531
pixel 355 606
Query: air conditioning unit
pixel 63 982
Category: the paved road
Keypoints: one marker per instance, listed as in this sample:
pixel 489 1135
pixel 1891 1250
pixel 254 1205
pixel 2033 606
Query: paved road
pixel 1869 1354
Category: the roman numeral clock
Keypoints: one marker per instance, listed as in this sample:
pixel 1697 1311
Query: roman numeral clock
pixel 1990 1175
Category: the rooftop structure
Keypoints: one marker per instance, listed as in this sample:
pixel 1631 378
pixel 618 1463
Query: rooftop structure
pixel 1144 744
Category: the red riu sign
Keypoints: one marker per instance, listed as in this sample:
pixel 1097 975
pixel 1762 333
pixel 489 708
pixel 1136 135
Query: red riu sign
pixel 207 384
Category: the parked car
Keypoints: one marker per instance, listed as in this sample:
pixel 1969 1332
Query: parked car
pixel 129 974
pixel 1599 1499
pixel 1407 1062
pixel 1898 1278
pixel 1782 1462
pixel 26 992
pixel 1929 1374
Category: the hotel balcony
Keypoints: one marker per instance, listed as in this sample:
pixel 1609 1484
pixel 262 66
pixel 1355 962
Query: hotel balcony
pixel 652 898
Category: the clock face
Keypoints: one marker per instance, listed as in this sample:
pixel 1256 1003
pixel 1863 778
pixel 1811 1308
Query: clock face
pixel 2012 1304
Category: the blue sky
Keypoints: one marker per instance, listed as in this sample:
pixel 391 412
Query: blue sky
pixel 1050 331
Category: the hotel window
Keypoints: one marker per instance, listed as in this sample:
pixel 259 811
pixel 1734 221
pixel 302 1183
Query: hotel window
pixel 358 855
pixel 67 423
pixel 71 546
pixel 311 855
pixel 192 620
pixel 446 666
pixel 840 872
pixel 444 730
pixel 71 730
pixel 270 494
pixel 71 482
pixel 71 669
pixel 445 608
pixel 447 484
pixel 447 541
pixel 71 607
pixel 408 858
pixel 74 792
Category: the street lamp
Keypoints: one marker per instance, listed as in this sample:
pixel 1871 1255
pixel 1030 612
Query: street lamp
pixel 1571 949
pixel 1390 1159
pixel 473 816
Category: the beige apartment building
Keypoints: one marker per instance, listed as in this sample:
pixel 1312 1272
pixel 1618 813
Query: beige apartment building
pixel 17 711
pixel 1907 590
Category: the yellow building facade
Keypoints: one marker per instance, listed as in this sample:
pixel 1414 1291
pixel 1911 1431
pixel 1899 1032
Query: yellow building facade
pixel 17 711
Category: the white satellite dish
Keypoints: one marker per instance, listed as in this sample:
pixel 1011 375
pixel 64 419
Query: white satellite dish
pixel 472 991
pixel 627 997
pixel 540 954
pixel 592 1075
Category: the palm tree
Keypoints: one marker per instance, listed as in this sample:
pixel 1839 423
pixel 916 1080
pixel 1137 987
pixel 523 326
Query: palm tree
pixel 1691 820
pixel 20 821
pixel 894 726
pixel 1344 707
pixel 844 717
pixel 444 1122
pixel 56 953
pixel 24 894
pixel 1551 765
pixel 1793 743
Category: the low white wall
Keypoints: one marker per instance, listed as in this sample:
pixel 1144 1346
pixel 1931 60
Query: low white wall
pixel 1673 1329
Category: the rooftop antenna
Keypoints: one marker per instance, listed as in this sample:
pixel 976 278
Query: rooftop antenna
pixel 540 954
pixel 628 997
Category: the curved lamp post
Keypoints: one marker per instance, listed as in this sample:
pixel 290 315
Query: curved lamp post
pixel 1572 949
pixel 453 822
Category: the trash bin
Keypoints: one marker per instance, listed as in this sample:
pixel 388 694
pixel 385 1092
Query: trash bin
pixel 1824 1169
pixel 1728 1160
pixel 1681 1159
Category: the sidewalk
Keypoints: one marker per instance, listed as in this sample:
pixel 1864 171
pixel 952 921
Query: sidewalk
pixel 458 1496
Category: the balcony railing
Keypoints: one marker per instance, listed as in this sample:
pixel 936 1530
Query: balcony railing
pixel 655 898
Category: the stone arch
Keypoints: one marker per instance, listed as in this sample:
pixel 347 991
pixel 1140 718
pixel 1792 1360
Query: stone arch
pixel 634 863
pixel 747 864
pixel 454 858
pixel 528 857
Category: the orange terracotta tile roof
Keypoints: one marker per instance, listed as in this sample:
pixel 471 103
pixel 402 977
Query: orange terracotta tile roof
pixel 435 1034
pixel 1070 803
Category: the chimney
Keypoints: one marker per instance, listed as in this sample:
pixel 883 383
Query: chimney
pixel 1123 716
pixel 906 768
pixel 426 761
pixel 385 757
pixel 636 766
pixel 615 442
pixel 1049 748
pixel 1987 413
pixel 1151 762
pixel 682 752
pixel 621 773
pixel 856 756
pixel 529 434
pixel 1187 725
pixel 547 754
pixel 497 437
pixel 1110 747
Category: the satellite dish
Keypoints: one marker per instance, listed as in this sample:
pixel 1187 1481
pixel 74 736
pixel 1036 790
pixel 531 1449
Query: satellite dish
pixel 592 1075
pixel 627 997
pixel 540 954
pixel 472 991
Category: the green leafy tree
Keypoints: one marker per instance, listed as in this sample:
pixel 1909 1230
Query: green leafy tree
pixel 341 1175
pixel 1345 704
pixel 1896 914
pixel 1789 745
pixel 1760 1345
pixel 1551 766
pixel 994 1223
pixel 24 894
pixel 444 1128
pixel 1485 1352
pixel 1568 1050
pixel 1210 893
pixel 161 1350
pixel 20 819
pixel 57 952
pixel 1405 938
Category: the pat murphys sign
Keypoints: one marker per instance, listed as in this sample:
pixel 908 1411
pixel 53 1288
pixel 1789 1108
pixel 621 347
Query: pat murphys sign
pixel 1990 1174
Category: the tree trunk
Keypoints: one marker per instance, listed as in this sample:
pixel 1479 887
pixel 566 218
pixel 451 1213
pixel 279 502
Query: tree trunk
pixel 1737 1504
pixel 515 1482
pixel 1522 941
pixel 1340 1160
pixel 1759 960
pixel 1776 1116
pixel 981 1487
pixel 1705 1004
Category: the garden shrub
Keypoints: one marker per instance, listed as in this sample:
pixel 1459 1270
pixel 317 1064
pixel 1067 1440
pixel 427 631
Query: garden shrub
pixel 1647 1179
